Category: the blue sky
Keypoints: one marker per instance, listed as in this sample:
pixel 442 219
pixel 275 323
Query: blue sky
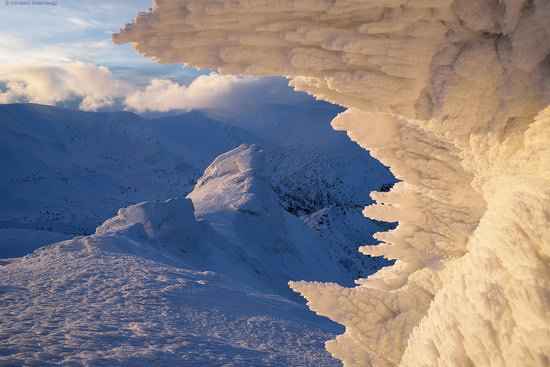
pixel 78 30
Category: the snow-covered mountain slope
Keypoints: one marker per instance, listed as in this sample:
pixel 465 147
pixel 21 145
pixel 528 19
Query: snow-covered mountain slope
pixel 129 298
pixel 235 197
pixel 68 171
pixel 136 292
pixel 318 175
pixel 313 166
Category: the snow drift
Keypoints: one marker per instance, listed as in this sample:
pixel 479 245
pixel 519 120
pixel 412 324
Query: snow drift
pixel 118 298
pixel 453 96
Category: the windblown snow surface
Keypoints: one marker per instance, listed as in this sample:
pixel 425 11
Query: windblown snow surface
pixel 136 293
pixel 162 283
pixel 453 95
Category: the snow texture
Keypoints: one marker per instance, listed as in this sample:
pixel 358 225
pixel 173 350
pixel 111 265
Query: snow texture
pixel 69 171
pixel 136 293
pixel 453 95
pixel 235 198
pixel 112 300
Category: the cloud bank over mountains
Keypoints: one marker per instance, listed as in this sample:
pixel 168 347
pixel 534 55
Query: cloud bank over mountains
pixel 93 87
pixel 222 92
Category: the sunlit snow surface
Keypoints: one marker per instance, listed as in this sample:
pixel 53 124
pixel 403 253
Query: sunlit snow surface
pixel 453 96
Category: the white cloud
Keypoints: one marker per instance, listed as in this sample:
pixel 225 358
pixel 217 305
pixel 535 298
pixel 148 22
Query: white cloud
pixel 83 23
pixel 95 86
pixel 224 92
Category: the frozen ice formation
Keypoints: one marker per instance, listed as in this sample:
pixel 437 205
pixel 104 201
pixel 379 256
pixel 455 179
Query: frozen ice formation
pixel 453 96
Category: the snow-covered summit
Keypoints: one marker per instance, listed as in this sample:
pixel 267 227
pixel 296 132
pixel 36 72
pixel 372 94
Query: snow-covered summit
pixel 231 223
pixel 235 180
pixel 235 197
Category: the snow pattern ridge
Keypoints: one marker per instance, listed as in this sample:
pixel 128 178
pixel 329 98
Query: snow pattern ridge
pixel 453 95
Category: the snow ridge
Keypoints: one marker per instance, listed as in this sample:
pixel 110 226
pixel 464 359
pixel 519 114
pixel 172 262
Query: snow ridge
pixel 235 197
pixel 452 95
pixel 133 293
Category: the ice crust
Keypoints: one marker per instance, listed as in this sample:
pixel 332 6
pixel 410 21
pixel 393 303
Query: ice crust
pixel 453 96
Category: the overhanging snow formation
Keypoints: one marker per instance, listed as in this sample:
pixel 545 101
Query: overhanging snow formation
pixel 453 96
